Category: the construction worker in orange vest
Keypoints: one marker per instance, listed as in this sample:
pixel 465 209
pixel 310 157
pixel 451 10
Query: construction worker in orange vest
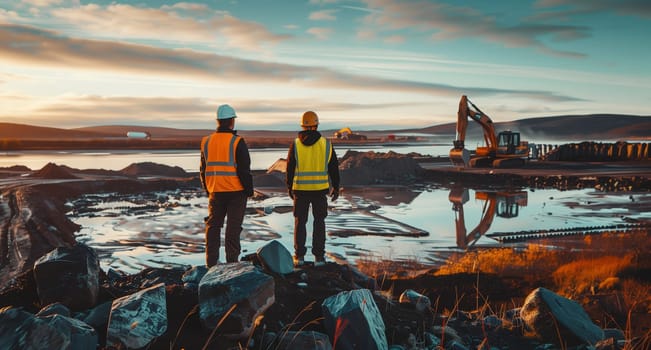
pixel 312 168
pixel 226 176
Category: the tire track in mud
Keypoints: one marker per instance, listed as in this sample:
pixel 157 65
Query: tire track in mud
pixel 7 215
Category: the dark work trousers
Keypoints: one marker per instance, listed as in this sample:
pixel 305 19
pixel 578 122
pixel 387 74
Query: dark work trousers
pixel 302 203
pixel 221 205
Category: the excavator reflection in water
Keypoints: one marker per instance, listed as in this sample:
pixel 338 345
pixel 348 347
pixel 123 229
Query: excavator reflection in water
pixel 505 204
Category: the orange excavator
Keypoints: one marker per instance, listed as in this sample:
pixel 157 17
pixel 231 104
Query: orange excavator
pixel 504 204
pixel 501 150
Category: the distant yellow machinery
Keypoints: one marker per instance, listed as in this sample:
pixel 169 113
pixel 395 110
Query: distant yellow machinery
pixel 347 134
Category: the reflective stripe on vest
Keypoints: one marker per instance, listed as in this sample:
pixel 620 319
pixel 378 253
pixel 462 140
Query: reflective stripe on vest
pixel 312 165
pixel 221 168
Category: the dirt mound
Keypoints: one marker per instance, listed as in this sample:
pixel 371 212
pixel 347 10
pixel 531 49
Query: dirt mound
pixel 149 168
pixel 16 168
pixel 368 168
pixel 53 171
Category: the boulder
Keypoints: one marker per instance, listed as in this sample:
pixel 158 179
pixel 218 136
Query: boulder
pixel 353 321
pixel 240 285
pixel 69 276
pixel 54 309
pixel 139 318
pixel 276 257
pixel 81 335
pixel 555 318
pixel 22 330
pixel 417 300
pixel 194 274
pixel 98 316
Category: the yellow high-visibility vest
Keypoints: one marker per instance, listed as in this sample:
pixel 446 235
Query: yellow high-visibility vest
pixel 218 151
pixel 312 165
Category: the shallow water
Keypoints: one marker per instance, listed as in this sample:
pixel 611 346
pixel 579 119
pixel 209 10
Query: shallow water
pixel 261 159
pixel 163 229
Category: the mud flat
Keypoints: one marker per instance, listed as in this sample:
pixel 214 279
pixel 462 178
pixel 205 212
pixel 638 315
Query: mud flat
pixel 471 287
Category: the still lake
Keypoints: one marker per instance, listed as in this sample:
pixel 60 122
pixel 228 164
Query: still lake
pixel 419 223
pixel 261 159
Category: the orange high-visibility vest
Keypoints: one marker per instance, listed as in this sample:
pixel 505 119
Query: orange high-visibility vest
pixel 218 152
pixel 312 165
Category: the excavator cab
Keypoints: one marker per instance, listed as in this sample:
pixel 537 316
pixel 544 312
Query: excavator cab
pixel 507 141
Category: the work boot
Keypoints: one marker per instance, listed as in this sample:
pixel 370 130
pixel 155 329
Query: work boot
pixel 319 261
pixel 298 261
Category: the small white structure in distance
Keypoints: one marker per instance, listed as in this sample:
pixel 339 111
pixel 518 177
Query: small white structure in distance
pixel 139 135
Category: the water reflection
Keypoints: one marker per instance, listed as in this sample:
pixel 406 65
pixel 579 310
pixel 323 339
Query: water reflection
pixel 399 223
pixel 504 204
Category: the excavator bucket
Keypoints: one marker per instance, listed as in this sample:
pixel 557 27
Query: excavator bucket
pixel 460 157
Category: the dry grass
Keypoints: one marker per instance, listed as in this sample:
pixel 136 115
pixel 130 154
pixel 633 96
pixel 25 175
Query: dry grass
pixel 586 275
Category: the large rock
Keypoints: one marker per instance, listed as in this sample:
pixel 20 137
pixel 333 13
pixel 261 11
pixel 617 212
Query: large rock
pixel 139 318
pixel 418 301
pixel 241 285
pixel 22 330
pixel 81 335
pixel 276 257
pixel 69 276
pixel 353 321
pixel 556 318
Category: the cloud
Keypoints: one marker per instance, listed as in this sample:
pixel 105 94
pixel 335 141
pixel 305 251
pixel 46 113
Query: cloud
pixel 24 45
pixel 323 2
pixel 640 8
pixel 394 39
pixel 79 111
pixel 182 22
pixel 42 3
pixel 447 22
pixel 320 33
pixel 323 15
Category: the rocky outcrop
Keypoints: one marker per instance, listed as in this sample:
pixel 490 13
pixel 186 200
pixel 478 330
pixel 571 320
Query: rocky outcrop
pixel 68 275
pixel 556 319
pixel 353 321
pixel 235 294
pixel 139 318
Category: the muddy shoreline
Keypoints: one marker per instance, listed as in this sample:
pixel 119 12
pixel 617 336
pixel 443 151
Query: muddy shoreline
pixel 45 193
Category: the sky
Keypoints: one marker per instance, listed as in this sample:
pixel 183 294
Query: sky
pixel 365 64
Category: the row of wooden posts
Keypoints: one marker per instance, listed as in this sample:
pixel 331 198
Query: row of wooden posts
pixel 591 151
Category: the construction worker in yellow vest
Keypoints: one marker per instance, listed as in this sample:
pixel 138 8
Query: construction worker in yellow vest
pixel 226 176
pixel 312 169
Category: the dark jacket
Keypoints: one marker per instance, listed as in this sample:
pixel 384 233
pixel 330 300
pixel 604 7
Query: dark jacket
pixel 308 138
pixel 243 160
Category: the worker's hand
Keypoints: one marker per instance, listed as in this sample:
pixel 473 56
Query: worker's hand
pixel 334 194
pixel 290 192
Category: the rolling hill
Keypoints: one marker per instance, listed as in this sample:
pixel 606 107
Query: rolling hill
pixel 570 127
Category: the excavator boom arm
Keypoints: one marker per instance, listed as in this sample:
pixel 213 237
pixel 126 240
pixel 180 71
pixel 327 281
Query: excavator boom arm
pixel 478 116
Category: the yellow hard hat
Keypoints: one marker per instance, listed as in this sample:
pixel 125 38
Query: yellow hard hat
pixel 309 119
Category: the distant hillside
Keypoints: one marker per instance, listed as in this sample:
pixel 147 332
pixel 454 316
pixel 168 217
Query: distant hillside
pixel 23 131
pixel 568 128
pixel 154 131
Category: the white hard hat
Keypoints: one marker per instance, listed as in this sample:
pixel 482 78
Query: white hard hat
pixel 225 112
